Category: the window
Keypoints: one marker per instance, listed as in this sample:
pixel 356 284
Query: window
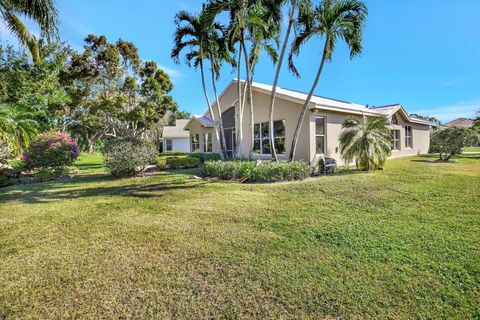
pixel 195 142
pixel 408 137
pixel 168 145
pixel 394 119
pixel 208 142
pixel 261 137
pixel 320 135
pixel 396 140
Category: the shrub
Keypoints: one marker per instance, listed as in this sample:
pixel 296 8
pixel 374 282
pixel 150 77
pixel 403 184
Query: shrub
pixel 266 171
pixel 182 162
pixel 161 163
pixel 49 174
pixel 450 141
pixel 127 157
pixel 174 153
pixel 5 180
pixel 51 150
pixel 206 156
pixel 6 151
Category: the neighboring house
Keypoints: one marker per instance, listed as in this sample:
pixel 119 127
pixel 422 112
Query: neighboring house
pixel 320 130
pixel 460 122
pixel 176 138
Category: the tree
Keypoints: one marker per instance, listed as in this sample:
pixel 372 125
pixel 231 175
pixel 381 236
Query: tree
pixel 195 33
pixel 450 141
pixel 35 88
pixel 174 116
pixel 42 12
pixel 334 20
pixel 17 127
pixel 114 93
pixel 368 142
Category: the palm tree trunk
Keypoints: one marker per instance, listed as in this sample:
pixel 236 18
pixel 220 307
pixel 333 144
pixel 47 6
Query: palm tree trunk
pixel 215 129
pixel 239 131
pixel 222 141
pixel 275 81
pixel 305 105
pixel 250 100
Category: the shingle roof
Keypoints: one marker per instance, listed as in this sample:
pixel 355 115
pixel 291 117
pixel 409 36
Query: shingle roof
pixel 176 131
pixel 460 122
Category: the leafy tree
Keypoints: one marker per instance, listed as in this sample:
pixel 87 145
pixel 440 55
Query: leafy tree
pixel 334 20
pixel 368 142
pixel 35 88
pixel 178 115
pixel 42 12
pixel 450 141
pixel 113 93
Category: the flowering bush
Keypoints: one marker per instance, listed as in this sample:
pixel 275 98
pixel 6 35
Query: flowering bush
pixel 51 150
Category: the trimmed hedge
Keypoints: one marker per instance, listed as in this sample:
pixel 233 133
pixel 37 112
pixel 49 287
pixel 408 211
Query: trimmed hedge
pixel 182 162
pixel 173 153
pixel 206 156
pixel 265 171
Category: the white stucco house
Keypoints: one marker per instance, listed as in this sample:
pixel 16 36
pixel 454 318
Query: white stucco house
pixel 319 134
pixel 176 138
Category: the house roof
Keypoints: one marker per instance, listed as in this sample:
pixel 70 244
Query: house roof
pixel 324 103
pixel 203 120
pixel 460 122
pixel 176 131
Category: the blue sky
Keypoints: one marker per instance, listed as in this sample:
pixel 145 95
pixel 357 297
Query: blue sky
pixel 424 54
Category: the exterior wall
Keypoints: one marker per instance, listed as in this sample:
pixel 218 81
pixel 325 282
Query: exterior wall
pixel 420 134
pixel 333 129
pixel 196 128
pixel 178 144
pixel 306 149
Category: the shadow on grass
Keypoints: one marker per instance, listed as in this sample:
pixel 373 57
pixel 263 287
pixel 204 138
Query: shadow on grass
pixel 54 191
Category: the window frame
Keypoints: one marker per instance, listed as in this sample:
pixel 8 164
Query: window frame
pixel 207 143
pixel 195 142
pixel 324 135
pixel 408 136
pixel 261 139
pixel 167 141
pixel 396 140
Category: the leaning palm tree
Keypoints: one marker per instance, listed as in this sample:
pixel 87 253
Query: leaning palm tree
pixel 17 126
pixel 333 20
pixel 195 33
pixel 43 12
pixel 368 142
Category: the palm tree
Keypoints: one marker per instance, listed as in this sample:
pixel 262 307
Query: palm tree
pixel 369 143
pixel 334 20
pixel 43 12
pixel 263 28
pixel 195 33
pixel 249 20
pixel 17 126
pixel 293 6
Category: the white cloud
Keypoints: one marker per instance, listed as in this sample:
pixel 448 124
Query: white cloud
pixel 465 109
pixel 173 73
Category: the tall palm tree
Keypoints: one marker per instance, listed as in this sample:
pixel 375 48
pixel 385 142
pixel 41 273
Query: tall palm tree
pixel 369 142
pixel 333 20
pixel 294 5
pixel 17 126
pixel 263 28
pixel 43 12
pixel 239 12
pixel 195 33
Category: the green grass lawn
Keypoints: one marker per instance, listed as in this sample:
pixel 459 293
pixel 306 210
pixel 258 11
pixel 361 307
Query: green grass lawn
pixel 399 243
